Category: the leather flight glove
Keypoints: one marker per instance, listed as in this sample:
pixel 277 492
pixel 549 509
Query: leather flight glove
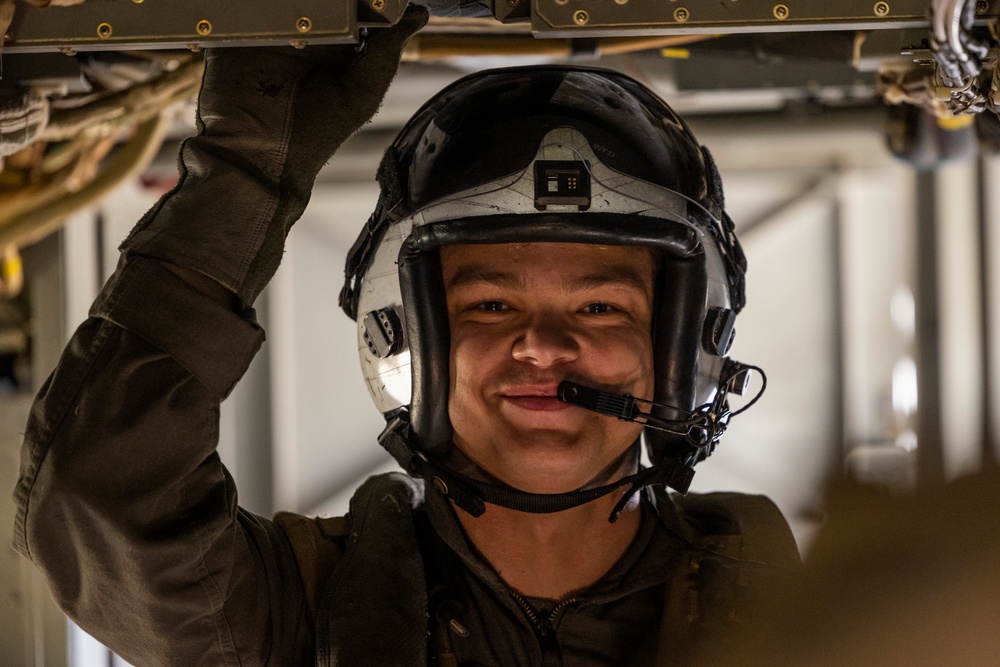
pixel 268 120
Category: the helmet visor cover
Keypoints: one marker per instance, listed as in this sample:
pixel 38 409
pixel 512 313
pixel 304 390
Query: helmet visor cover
pixel 490 125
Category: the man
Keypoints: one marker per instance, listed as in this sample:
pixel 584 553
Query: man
pixel 548 243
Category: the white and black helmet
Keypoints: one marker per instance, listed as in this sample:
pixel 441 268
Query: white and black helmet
pixel 546 154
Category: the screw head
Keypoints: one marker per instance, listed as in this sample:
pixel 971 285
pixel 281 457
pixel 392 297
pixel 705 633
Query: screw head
pixel 780 12
pixel 204 28
pixel 303 24
pixel 513 3
pixel 621 2
pixel 982 6
pixel 681 14
pixel 581 17
pixel 881 9
pixel 104 30
pixel 378 5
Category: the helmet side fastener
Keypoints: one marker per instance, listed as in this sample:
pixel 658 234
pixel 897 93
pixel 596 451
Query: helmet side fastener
pixel 383 332
pixel 719 331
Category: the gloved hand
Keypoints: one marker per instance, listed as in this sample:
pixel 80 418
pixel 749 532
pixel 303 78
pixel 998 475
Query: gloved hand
pixel 268 120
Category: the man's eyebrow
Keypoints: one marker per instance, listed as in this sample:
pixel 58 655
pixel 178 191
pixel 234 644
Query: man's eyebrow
pixel 626 276
pixel 471 275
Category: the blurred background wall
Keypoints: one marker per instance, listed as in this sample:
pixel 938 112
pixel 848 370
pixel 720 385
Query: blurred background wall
pixel 870 307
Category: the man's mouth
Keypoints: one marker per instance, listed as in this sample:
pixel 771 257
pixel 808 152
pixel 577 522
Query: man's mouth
pixel 536 398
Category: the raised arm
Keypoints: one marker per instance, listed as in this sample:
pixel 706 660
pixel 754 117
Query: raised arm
pixel 122 500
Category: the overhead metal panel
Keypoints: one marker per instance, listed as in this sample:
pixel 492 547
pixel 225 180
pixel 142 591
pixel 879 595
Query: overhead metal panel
pixel 131 24
pixel 593 18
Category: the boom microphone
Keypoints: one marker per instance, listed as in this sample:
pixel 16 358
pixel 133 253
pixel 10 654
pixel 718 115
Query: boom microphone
pixel 698 427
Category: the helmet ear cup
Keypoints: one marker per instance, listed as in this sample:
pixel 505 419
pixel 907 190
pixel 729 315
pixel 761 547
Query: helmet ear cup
pixel 428 330
pixel 681 292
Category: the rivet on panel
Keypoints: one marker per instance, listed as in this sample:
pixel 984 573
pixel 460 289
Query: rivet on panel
pixel 204 28
pixel 104 30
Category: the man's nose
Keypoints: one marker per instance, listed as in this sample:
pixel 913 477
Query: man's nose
pixel 546 340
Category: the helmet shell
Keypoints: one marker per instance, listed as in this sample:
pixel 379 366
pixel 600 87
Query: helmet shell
pixel 462 171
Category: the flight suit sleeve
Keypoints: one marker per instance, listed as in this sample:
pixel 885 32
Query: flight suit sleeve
pixel 123 502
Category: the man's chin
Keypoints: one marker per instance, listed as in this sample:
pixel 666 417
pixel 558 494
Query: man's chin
pixel 548 466
pixel 558 462
pixel 549 446
pixel 549 459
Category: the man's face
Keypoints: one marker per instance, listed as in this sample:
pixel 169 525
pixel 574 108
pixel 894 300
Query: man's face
pixel 525 317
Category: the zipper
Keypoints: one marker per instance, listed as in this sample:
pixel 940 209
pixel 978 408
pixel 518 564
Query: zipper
pixel 529 611
pixel 542 625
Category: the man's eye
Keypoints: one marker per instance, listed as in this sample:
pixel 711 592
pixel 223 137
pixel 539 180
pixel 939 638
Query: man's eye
pixel 492 306
pixel 598 308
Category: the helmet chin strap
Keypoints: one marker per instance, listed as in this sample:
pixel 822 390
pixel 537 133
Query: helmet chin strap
pixel 471 495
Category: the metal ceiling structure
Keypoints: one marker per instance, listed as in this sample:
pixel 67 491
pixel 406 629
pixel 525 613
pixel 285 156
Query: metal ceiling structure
pixel 761 64
pixel 133 24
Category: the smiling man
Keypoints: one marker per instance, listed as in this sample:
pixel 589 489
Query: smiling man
pixel 523 318
pixel 548 284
